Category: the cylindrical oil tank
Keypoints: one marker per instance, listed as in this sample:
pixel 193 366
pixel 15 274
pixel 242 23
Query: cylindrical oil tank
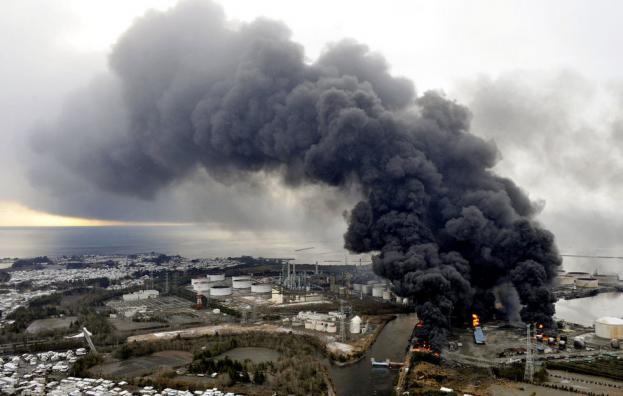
pixel 607 279
pixel 586 282
pixel 261 288
pixel 309 324
pixel 240 277
pixel 219 291
pixel 565 280
pixel 365 289
pixel 199 281
pixel 387 295
pixel 216 277
pixel 331 328
pixel 576 274
pixel 320 326
pixel 609 328
pixel 357 287
pixel 377 291
pixel 241 283
pixel 579 343
pixel 355 325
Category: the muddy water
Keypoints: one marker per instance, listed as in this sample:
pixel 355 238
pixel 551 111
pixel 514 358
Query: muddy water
pixel 360 378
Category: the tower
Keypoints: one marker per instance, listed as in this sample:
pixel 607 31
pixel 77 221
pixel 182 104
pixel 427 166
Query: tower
pixel 529 373
pixel 342 322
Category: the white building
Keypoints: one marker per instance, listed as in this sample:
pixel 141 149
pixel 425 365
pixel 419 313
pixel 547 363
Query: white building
pixel 141 295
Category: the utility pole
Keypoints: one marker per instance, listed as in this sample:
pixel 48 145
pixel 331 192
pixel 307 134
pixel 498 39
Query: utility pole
pixel 529 373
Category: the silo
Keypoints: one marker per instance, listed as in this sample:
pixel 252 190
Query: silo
pixel 355 325
pixel 377 291
pixel 220 291
pixel 241 283
pixel 261 288
pixel 609 327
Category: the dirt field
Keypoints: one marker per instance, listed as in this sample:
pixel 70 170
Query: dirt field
pixel 136 367
pixel 50 324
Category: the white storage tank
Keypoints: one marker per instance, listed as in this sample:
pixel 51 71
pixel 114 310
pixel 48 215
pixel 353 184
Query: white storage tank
pixel 331 328
pixel 365 289
pixel 320 326
pixel 355 325
pixel 609 328
pixel 576 274
pixel 607 279
pixel 240 277
pixel 586 282
pixel 241 283
pixel 202 288
pixel 199 281
pixel 261 288
pixel 216 277
pixel 565 280
pixel 309 324
pixel 219 291
pixel 377 291
pixel 387 295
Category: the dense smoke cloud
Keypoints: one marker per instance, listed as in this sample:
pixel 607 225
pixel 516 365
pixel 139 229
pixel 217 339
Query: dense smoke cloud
pixel 188 92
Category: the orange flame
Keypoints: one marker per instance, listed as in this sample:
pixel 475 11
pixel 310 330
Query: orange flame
pixel 475 321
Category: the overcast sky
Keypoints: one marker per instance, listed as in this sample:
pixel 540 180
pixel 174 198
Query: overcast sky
pixel 542 79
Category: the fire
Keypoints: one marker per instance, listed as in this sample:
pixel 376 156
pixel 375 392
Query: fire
pixel 475 321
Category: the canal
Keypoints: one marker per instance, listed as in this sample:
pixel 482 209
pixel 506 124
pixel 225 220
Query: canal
pixel 360 378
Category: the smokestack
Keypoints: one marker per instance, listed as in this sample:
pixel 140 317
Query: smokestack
pixel 197 93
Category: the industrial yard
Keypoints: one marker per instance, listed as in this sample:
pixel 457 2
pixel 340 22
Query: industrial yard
pixel 336 311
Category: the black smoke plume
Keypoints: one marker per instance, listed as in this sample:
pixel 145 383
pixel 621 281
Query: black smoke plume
pixel 187 90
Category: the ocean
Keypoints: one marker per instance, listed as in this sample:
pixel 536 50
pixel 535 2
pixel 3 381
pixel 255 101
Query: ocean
pixel 189 241
pixel 195 241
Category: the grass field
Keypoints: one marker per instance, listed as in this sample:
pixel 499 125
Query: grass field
pixel 135 367
pixel 604 367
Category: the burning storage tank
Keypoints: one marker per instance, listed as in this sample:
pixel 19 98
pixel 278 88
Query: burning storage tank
pixel 261 288
pixel 216 277
pixel 588 282
pixel 220 291
pixel 609 327
pixel 377 291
